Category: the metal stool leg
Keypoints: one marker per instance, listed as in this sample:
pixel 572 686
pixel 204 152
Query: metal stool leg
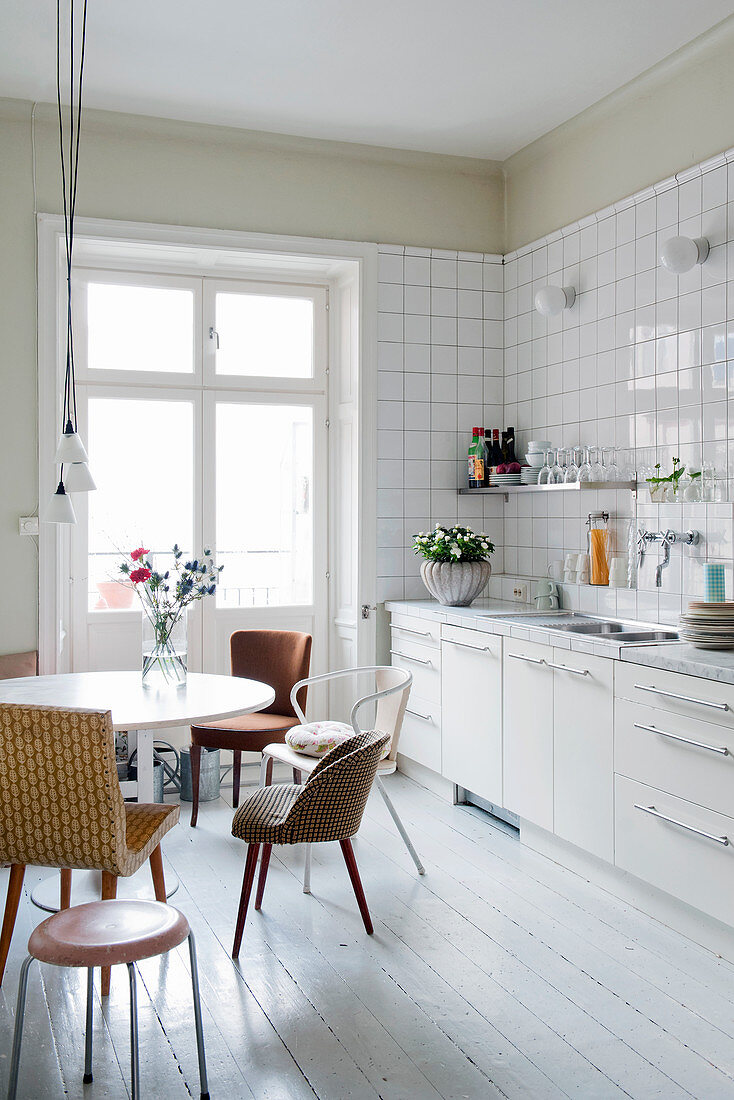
pixel 307 871
pixel 134 1056
pixel 400 827
pixel 204 1084
pixel 18 1033
pixel 88 1033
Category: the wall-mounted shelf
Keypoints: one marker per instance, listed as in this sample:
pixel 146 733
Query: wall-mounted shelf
pixel 573 487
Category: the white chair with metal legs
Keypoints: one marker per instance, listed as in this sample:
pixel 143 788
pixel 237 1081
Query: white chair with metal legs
pixel 104 933
pixel 390 699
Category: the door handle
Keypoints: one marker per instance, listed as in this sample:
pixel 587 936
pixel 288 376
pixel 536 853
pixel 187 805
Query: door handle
pixel 214 335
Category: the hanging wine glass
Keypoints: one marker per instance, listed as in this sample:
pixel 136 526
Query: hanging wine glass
pixel 611 469
pixel 556 474
pixel 545 469
pixel 572 469
pixel 585 467
pixel 597 470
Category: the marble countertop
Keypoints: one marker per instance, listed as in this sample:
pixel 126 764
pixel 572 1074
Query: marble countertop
pixel 490 616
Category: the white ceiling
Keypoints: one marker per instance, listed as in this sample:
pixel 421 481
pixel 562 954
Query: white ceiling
pixel 478 78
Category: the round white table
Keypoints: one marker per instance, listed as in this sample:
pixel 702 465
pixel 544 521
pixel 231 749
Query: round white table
pixel 140 711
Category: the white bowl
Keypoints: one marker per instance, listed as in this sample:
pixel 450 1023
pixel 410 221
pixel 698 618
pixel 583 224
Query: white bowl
pixel 539 445
pixel 535 458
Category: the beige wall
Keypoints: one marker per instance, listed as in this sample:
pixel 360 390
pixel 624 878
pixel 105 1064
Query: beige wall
pixel 678 114
pixel 153 171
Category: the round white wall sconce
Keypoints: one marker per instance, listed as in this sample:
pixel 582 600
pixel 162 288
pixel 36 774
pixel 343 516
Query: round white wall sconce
pixel 681 254
pixel 552 300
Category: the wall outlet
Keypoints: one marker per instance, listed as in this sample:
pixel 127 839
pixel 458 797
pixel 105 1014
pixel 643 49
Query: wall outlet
pixel 28 525
pixel 520 592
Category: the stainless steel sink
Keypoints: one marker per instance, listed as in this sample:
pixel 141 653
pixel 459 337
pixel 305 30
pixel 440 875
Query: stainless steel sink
pixel 618 631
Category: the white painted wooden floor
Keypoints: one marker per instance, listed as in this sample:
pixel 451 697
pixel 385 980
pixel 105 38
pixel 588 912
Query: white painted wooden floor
pixel 499 974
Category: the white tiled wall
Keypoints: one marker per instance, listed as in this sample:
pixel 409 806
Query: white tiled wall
pixel 640 361
pixel 440 373
pixel 644 360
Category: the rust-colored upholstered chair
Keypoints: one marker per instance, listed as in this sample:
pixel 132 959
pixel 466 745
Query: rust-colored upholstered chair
pixel 278 658
pixel 62 806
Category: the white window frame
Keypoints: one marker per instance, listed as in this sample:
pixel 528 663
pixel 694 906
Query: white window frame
pixel 349 268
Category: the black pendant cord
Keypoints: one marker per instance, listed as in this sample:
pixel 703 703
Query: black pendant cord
pixel 69 188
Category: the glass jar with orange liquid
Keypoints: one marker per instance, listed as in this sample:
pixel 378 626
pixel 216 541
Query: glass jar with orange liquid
pixel 599 547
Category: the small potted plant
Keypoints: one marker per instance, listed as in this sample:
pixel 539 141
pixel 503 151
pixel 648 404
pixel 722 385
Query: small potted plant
pixel 665 487
pixel 456 566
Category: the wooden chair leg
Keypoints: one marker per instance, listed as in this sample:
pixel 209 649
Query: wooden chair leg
pixel 297 775
pixel 109 893
pixel 156 869
pixel 65 899
pixel 247 880
pixel 15 889
pixel 351 862
pixel 264 864
pixel 269 772
pixel 236 775
pixel 195 757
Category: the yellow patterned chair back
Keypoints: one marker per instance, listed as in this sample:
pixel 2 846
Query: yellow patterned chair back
pixel 60 798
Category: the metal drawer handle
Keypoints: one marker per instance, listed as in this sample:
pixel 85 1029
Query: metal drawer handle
pixel 406 657
pixel 721 750
pixel 530 660
pixel 723 840
pixel 567 668
pixel 465 645
pixel 417 714
pixel 408 630
pixel 685 698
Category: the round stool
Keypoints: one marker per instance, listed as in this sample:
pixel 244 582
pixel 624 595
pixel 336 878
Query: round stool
pixel 104 933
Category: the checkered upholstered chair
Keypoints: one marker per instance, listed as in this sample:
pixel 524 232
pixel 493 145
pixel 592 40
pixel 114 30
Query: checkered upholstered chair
pixel 389 694
pixel 61 806
pixel 328 807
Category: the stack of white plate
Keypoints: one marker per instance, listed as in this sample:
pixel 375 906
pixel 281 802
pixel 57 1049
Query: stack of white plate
pixel 536 452
pixel 708 625
pixel 529 475
pixel 497 480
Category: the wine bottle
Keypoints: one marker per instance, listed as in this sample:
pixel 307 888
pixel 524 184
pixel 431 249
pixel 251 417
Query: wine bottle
pixel 511 445
pixel 487 454
pixel 496 449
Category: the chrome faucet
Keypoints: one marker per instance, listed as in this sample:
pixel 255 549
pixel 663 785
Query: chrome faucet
pixel 666 539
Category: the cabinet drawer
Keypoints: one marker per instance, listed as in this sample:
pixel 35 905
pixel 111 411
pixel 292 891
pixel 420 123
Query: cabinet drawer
pixel 420 738
pixel 674 855
pixel 411 628
pixel 462 638
pixel 693 696
pixel 423 662
pixel 677 754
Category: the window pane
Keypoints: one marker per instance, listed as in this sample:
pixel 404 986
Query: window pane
pixel 142 454
pixel 140 328
pixel 259 335
pixel 264 532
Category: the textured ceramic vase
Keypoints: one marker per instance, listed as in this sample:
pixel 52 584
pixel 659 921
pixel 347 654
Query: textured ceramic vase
pixel 455 584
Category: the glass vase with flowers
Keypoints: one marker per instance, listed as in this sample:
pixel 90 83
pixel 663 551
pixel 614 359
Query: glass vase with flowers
pixel 166 597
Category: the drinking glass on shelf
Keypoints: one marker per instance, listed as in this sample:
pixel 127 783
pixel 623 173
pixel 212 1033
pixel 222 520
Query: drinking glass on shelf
pixel 597 470
pixel 545 470
pixel 556 474
pixel 611 469
pixel 572 469
pixel 585 467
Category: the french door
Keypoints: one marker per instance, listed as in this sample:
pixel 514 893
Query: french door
pixel 205 406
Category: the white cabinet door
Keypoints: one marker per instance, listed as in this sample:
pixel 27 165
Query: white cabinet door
pixel 528 731
pixel 471 711
pixel 583 751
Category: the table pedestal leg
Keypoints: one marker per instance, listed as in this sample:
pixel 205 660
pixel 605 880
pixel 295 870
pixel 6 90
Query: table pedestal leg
pixel 143 741
pixel 87 886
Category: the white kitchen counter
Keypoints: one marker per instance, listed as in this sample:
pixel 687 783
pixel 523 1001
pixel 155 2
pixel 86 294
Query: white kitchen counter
pixel 709 664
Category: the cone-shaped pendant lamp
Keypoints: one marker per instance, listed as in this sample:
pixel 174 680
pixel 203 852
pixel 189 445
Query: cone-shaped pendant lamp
pixel 77 478
pixel 59 509
pixel 70 448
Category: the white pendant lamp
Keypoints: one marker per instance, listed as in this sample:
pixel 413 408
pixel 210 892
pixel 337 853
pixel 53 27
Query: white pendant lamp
pixel 71 455
pixel 59 509
pixel 70 448
pixel 78 479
